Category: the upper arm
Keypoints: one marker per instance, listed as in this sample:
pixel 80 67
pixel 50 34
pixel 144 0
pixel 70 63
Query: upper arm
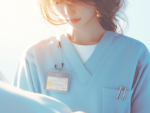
pixel 141 95
pixel 23 75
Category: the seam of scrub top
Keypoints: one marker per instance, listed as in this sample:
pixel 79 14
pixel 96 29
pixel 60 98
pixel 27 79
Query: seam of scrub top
pixel 84 51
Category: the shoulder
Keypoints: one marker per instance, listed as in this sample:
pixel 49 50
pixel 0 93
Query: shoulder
pixel 129 40
pixel 133 45
pixel 40 45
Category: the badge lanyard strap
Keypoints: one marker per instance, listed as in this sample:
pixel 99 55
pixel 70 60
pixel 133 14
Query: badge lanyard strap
pixel 59 46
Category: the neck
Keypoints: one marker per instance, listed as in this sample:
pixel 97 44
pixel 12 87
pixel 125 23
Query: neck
pixel 89 34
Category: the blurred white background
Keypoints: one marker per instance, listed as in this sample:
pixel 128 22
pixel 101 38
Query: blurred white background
pixel 22 25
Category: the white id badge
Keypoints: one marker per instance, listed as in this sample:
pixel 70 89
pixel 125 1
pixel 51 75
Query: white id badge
pixel 57 80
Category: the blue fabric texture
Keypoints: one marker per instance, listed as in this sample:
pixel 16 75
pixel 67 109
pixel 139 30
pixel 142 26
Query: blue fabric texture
pixel 117 60
pixel 14 100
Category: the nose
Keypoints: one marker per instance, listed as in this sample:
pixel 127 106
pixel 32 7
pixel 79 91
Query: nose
pixel 69 10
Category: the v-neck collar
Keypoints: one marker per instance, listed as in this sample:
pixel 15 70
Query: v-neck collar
pixel 85 72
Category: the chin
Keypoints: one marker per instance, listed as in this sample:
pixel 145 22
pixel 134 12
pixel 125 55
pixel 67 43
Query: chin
pixel 77 26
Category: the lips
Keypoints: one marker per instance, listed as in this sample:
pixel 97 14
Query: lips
pixel 74 20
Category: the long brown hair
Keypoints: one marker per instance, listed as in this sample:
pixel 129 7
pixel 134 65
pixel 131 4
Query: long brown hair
pixel 107 12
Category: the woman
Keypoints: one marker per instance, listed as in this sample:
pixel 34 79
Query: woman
pixel 90 68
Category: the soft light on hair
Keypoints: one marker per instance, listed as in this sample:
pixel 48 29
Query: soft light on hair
pixel 107 12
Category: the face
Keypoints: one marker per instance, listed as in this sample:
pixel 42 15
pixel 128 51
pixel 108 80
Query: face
pixel 82 11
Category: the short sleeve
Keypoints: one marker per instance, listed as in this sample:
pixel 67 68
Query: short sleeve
pixel 23 79
pixel 27 73
pixel 141 95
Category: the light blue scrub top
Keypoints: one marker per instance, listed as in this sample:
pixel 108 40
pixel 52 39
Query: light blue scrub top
pixel 14 100
pixel 117 61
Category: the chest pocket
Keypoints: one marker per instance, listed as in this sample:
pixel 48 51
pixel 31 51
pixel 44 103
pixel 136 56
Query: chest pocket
pixel 110 103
